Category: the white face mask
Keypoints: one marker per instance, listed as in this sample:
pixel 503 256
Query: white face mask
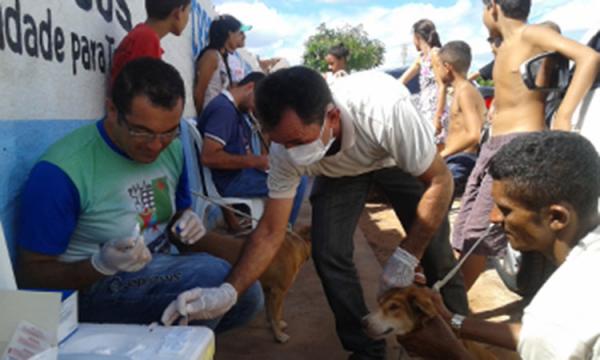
pixel 307 154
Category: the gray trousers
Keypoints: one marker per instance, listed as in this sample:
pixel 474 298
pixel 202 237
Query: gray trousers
pixel 336 207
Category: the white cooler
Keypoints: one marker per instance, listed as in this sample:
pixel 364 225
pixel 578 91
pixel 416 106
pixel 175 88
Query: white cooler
pixel 133 342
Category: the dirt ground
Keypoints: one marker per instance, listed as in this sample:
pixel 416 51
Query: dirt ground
pixel 311 323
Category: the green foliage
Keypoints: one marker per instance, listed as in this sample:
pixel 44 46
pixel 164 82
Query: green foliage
pixel 365 53
pixel 483 82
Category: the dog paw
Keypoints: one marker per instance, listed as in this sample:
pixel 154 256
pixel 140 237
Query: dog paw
pixel 282 325
pixel 282 338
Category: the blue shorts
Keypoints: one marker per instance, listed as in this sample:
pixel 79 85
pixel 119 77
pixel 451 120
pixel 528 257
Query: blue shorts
pixel 460 166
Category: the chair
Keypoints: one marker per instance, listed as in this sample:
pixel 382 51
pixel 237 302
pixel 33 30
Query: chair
pixel 200 178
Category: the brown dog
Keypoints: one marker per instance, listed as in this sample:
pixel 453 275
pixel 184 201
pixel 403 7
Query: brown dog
pixel 404 310
pixel 279 276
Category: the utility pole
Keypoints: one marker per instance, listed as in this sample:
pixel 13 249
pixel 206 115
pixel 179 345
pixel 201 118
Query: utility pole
pixel 404 54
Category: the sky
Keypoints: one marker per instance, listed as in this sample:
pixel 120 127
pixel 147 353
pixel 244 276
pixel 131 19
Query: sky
pixel 281 27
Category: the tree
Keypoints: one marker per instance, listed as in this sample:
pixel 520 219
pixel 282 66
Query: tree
pixel 365 53
pixel 481 82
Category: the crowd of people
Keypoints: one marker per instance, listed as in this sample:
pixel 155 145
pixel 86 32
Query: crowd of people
pixel 120 201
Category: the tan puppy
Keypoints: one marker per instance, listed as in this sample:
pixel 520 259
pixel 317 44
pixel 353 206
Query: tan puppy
pixel 404 310
pixel 279 276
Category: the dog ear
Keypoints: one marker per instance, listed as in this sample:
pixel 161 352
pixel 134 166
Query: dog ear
pixel 421 303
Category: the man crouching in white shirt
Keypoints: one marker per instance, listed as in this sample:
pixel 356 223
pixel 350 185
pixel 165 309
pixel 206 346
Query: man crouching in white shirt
pixel 546 188
pixel 367 132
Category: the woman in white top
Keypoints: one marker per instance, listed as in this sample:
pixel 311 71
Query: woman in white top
pixel 212 70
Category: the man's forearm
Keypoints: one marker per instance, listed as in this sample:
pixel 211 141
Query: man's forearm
pixel 257 255
pixel 498 334
pixel 225 161
pixel 431 211
pixel 58 275
pixel 263 244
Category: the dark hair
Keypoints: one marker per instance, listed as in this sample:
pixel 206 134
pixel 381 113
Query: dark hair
pixel 544 168
pixel 161 9
pixel 514 9
pixel 339 51
pixel 426 31
pixel 219 30
pixel 297 88
pixel 254 77
pixel 158 81
pixel 218 33
pixel 457 54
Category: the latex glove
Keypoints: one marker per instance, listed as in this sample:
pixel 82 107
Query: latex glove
pixel 130 255
pixel 399 271
pixel 200 304
pixel 189 227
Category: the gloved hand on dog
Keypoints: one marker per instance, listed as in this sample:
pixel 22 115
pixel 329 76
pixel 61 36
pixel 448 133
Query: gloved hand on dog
pixel 399 271
pixel 129 254
pixel 189 227
pixel 200 304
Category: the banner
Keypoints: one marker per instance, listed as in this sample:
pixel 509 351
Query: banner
pixel 55 55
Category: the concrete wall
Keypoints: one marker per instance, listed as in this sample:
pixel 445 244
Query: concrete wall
pixel 54 62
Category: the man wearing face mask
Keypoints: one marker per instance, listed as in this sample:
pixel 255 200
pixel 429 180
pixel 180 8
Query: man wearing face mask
pixel 367 132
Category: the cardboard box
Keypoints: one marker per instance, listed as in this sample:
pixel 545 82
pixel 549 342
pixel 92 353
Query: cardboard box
pixel 69 319
pixel 54 312
pixel 41 309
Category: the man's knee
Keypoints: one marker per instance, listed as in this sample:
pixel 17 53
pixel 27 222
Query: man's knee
pixel 203 270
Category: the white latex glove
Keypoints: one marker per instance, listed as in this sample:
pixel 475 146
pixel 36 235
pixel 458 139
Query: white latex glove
pixel 189 227
pixel 200 304
pixel 399 271
pixel 130 255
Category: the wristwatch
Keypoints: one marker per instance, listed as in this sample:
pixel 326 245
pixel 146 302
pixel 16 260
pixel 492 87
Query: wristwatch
pixel 456 322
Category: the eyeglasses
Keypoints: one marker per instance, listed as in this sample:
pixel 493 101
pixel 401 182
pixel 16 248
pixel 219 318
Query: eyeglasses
pixel 145 135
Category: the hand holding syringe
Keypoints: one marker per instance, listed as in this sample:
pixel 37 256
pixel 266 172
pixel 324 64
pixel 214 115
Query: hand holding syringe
pixel 129 255
pixel 189 227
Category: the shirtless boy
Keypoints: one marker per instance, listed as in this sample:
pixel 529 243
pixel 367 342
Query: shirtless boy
pixel 518 111
pixel 467 112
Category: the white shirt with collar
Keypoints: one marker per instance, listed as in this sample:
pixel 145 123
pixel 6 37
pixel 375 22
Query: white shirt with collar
pixel 563 319
pixel 380 128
